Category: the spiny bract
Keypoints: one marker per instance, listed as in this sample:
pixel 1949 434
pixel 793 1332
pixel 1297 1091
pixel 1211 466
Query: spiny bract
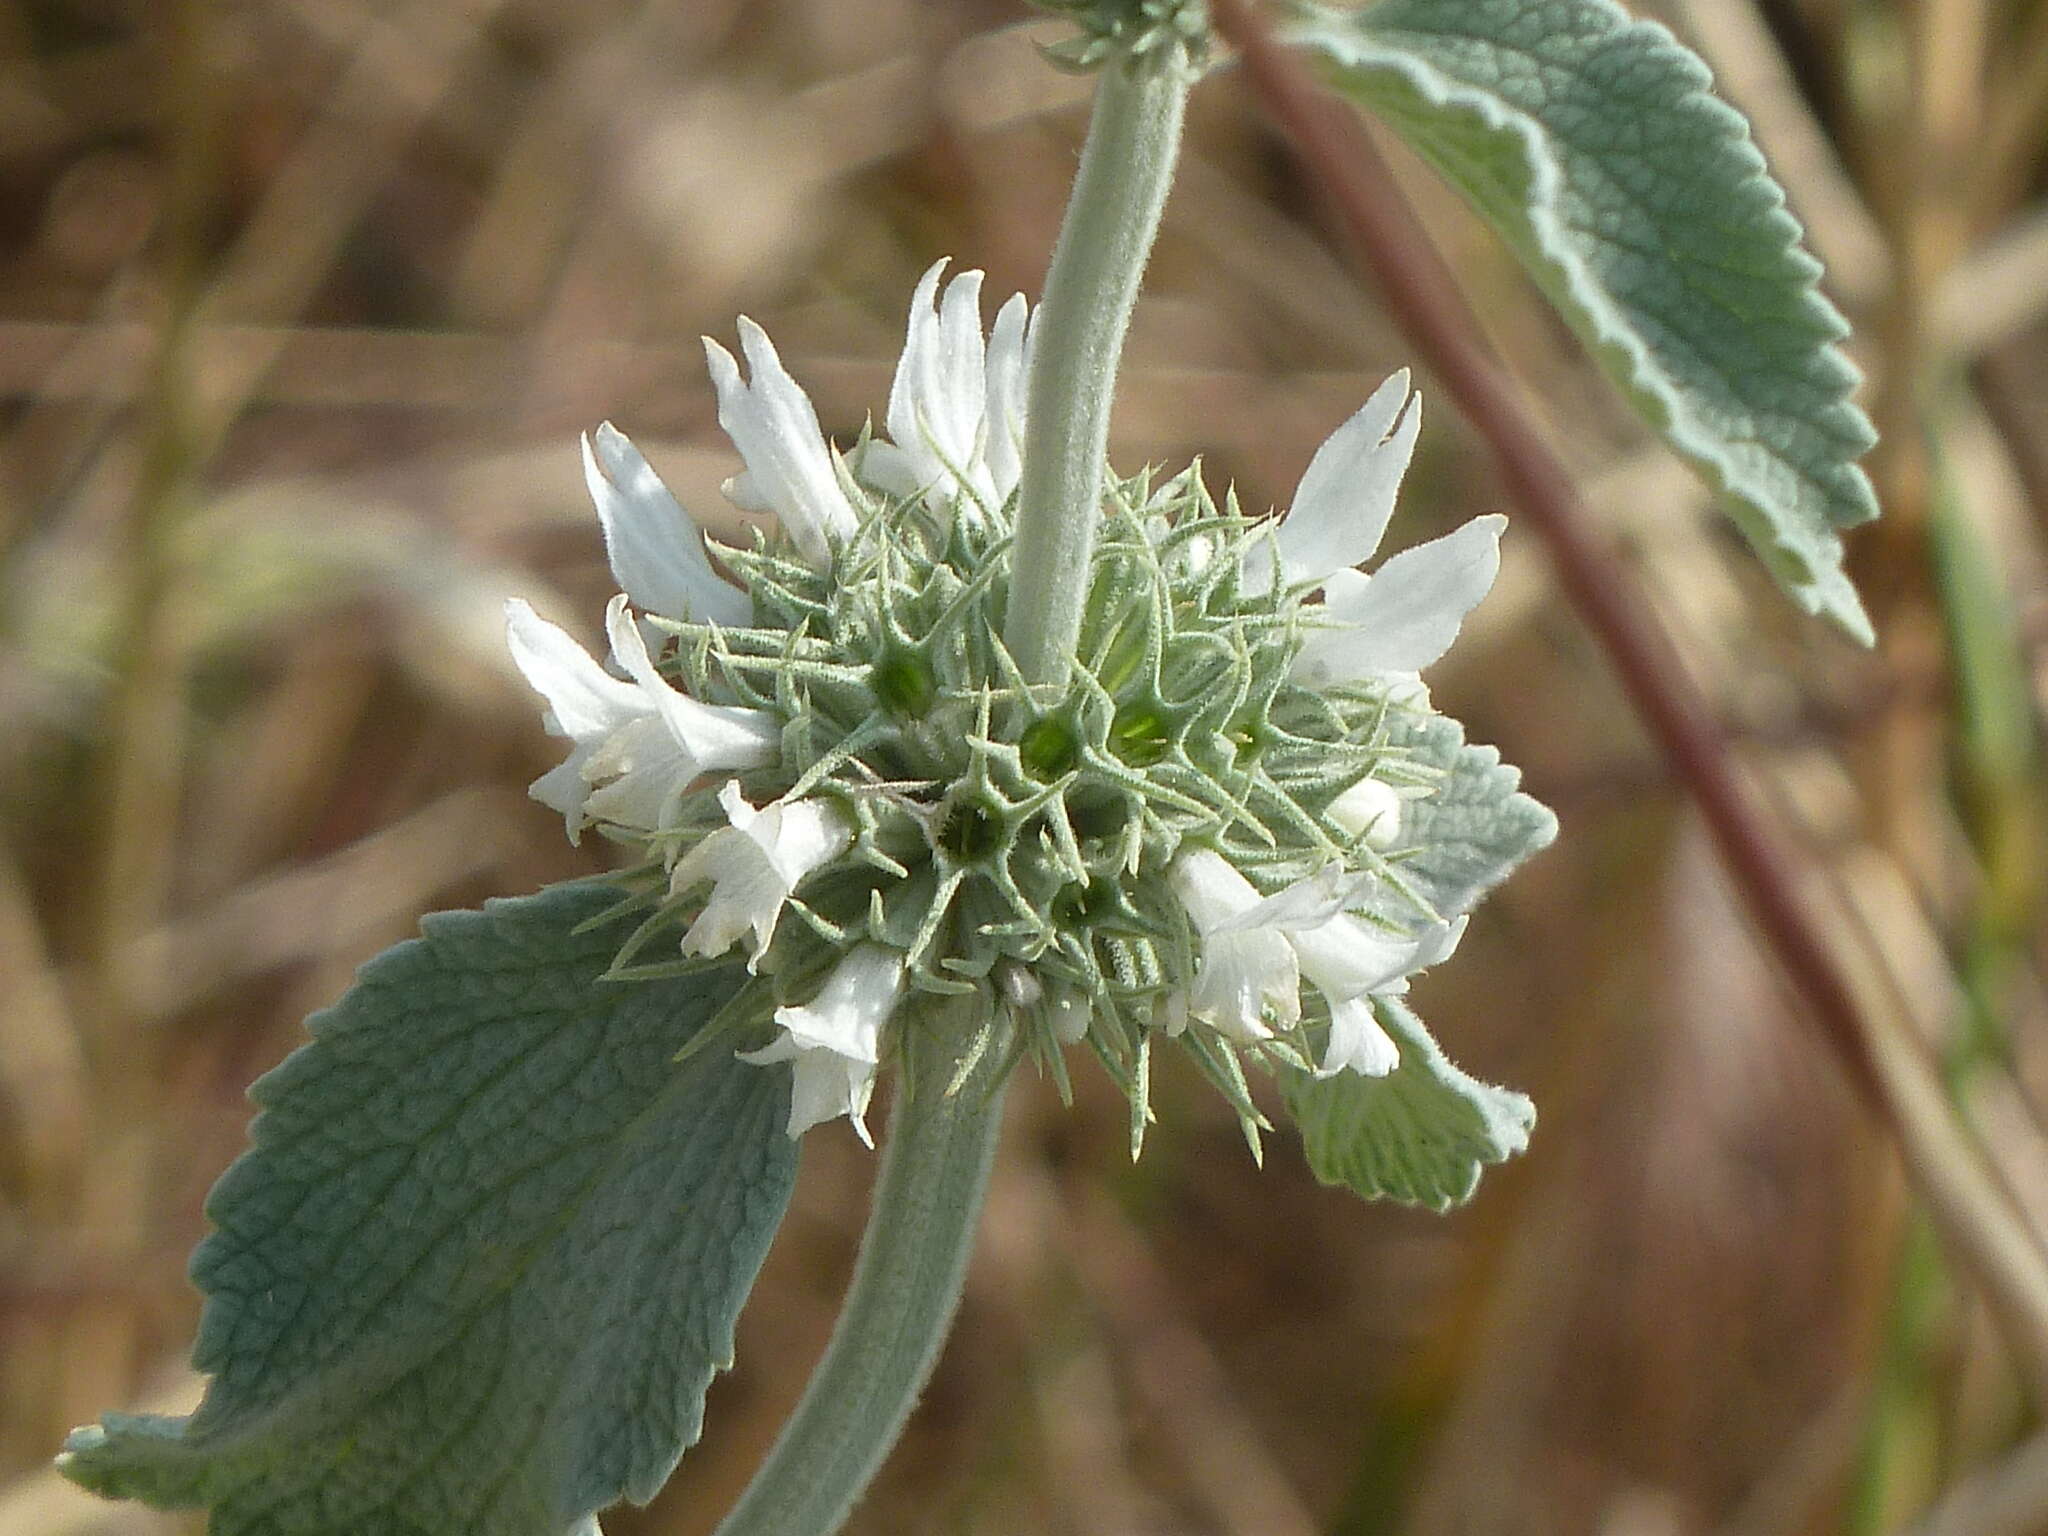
pixel 833 761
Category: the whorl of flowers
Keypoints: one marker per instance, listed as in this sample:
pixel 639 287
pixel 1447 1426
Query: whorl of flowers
pixel 1119 31
pixel 832 766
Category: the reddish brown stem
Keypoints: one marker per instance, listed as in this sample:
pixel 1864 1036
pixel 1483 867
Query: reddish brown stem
pixel 1428 305
pixel 1886 1066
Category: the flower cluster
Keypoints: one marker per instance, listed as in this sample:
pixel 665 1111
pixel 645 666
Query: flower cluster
pixel 1116 32
pixel 828 761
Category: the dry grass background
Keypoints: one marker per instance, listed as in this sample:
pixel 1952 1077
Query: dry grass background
pixel 297 324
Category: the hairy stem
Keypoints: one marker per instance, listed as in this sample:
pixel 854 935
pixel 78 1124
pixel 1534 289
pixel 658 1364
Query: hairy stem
pixel 906 1285
pixel 1077 338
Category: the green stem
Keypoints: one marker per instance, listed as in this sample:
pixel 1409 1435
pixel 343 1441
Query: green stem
pixel 1077 338
pixel 905 1285
pixel 913 1259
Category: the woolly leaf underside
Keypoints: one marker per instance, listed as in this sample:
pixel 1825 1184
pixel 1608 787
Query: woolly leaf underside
pixel 1640 205
pixel 484 1255
pixel 1423 1134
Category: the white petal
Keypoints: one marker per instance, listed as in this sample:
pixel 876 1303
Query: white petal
pixel 564 788
pixel 1404 690
pixel 1304 904
pixel 1069 1015
pixel 1371 808
pixel 1008 381
pixel 911 391
pixel 823 1086
pixel 1346 495
pixel 746 893
pixel 801 835
pixel 847 1015
pixel 586 700
pixel 1210 887
pixel 959 397
pixel 649 740
pixel 656 551
pixel 938 404
pixel 886 468
pixel 649 773
pixel 1357 1042
pixel 713 736
pixel 1244 977
pixel 772 423
pixel 1439 942
pixel 585 703
pixel 1407 613
pixel 754 864
pixel 744 492
pixel 1172 1013
pixel 1246 973
pixel 1346 958
pixel 835 1039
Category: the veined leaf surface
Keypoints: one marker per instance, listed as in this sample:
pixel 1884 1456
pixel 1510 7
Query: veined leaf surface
pixel 483 1257
pixel 1639 204
pixel 1420 1135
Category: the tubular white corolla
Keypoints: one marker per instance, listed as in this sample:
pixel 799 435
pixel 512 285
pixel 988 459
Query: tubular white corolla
pixel 1257 951
pixel 655 548
pixel 791 469
pixel 1248 975
pixel 753 865
pixel 1405 615
pixel 637 744
pixel 834 1041
pixel 956 408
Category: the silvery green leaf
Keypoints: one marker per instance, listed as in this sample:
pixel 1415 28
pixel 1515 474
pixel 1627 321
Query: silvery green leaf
pixel 1419 1135
pixel 1641 207
pixel 483 1257
pixel 1472 829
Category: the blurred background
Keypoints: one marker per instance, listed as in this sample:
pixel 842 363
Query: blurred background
pixel 302 303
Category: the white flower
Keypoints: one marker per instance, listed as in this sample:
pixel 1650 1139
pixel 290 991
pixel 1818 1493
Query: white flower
pixel 1246 972
pixel 1370 808
pixel 1345 957
pixel 753 865
pixel 657 552
pixel 1405 615
pixel 1258 947
pixel 956 408
pixel 638 744
pixel 834 1041
pixel 1358 1042
pixel 1351 962
pixel 1393 623
pixel 791 471
pixel 1346 496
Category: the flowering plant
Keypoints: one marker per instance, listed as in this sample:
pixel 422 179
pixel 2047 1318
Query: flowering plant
pixel 974 752
pixel 1238 786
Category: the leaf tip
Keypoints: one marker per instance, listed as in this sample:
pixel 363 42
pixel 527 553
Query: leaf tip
pixel 82 1442
pixel 130 1456
pixel 1839 602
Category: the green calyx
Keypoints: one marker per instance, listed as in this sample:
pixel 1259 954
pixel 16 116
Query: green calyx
pixel 1012 841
